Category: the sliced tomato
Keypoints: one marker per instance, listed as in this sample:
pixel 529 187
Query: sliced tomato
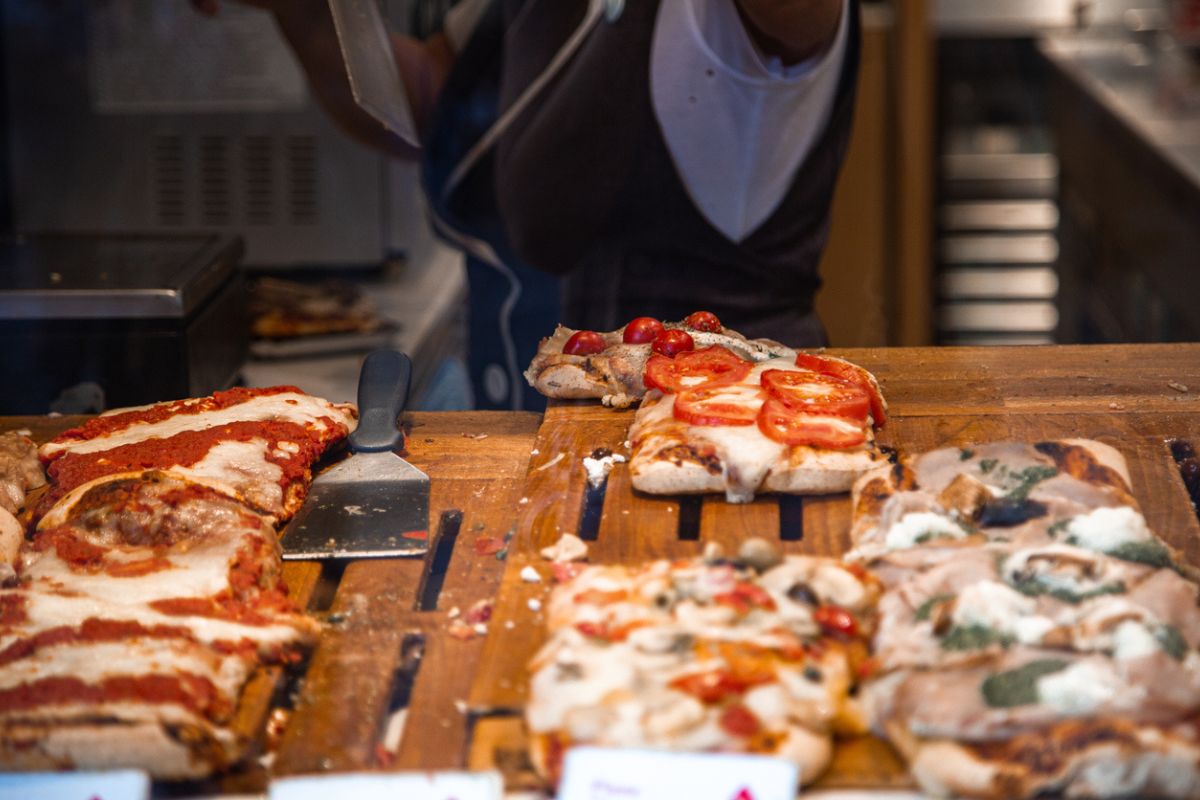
pixel 843 369
pixel 695 368
pixel 716 685
pixel 814 393
pixel 739 721
pixel 784 424
pixel 719 405
pixel 744 597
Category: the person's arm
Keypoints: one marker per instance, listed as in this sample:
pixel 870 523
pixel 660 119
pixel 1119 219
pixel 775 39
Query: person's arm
pixel 791 30
pixel 308 27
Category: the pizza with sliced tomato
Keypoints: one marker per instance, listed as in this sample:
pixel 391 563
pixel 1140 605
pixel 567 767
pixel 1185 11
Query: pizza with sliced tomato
pixel 610 366
pixel 704 655
pixel 713 421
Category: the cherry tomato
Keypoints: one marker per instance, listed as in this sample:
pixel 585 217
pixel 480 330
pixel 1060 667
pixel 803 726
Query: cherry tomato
pixel 719 405
pixel 813 393
pixel 704 321
pixel 673 342
pixel 835 620
pixel 642 330
pixel 782 423
pixel 840 368
pixel 695 368
pixel 739 721
pixel 584 343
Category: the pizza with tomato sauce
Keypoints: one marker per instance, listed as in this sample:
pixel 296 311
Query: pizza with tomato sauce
pixel 609 366
pixel 705 655
pixel 713 421
pixel 151 588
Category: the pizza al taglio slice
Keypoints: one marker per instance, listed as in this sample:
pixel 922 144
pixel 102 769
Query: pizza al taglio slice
pixel 703 655
pixel 716 422
pixel 589 365
pixel 257 445
pixel 1035 638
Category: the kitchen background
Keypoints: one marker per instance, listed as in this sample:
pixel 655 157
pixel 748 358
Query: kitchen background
pixel 1020 173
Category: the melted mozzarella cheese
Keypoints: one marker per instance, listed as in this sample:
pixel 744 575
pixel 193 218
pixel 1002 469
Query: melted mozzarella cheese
pixel 1131 640
pixel 996 606
pixel 918 524
pixel 1106 529
pixel 1080 689
pixel 295 407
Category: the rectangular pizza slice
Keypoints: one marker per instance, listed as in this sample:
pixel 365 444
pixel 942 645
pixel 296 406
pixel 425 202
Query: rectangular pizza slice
pixel 703 655
pixel 257 445
pixel 1034 637
pixel 715 422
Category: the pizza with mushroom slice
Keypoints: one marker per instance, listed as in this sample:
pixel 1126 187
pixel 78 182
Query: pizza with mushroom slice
pixel 705 656
pixel 1035 637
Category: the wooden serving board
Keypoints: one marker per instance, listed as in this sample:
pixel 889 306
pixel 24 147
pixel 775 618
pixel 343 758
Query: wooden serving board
pixel 1130 398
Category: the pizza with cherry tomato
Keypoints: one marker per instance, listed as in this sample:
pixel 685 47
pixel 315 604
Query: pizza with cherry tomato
pixel 609 366
pixel 719 655
pixel 713 421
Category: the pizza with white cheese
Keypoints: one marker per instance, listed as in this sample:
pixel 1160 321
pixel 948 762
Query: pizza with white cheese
pixel 1034 637
pixel 715 422
pixel 703 655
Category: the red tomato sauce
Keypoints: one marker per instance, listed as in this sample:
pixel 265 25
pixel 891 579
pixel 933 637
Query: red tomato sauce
pixel 108 423
pixel 193 692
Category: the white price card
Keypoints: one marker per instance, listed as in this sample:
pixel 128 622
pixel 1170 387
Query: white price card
pixel 391 786
pixel 593 773
pixel 118 785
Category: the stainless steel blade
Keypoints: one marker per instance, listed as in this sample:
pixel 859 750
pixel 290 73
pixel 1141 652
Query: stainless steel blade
pixel 372 505
pixel 371 65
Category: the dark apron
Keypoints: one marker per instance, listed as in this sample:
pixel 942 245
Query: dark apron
pixel 581 184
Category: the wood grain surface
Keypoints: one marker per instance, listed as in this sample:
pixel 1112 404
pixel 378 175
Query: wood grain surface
pixel 521 475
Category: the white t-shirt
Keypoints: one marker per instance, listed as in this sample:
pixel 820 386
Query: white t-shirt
pixel 738 124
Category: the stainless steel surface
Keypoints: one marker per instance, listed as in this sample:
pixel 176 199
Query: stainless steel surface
pixel 1026 17
pixel 118 277
pixel 1155 92
pixel 96 154
pixel 999 215
pixel 1040 317
pixel 1038 283
pixel 362 508
pixel 998 249
pixel 999 167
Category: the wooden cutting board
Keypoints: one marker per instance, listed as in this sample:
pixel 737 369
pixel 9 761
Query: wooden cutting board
pixel 1134 399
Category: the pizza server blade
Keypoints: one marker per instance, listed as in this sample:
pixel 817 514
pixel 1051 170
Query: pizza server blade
pixel 373 504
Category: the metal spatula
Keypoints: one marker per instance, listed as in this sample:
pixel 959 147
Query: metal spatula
pixel 374 504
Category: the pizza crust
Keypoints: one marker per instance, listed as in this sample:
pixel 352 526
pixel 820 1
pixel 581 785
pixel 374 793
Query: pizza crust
pixel 183 752
pixel 1096 758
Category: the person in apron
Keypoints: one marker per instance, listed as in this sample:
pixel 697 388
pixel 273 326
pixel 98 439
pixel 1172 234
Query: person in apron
pixel 600 160
pixel 558 157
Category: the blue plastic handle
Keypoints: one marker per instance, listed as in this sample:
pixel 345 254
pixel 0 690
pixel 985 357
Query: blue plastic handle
pixel 382 394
